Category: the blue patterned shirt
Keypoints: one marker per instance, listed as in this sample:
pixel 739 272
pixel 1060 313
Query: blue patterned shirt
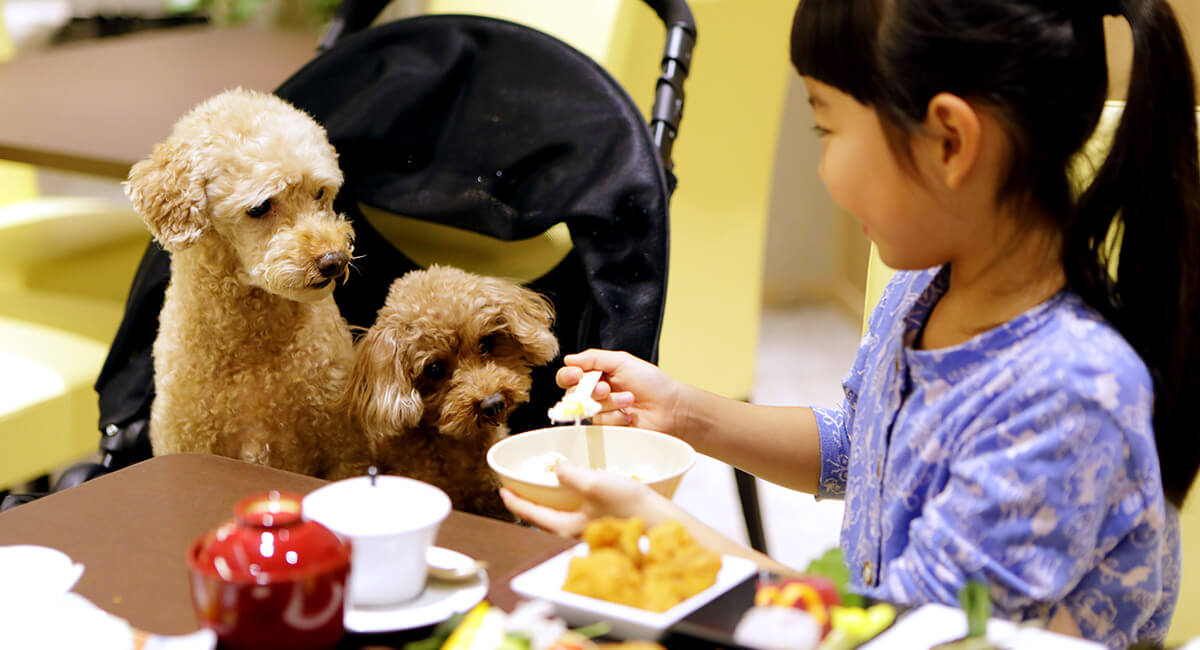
pixel 1024 457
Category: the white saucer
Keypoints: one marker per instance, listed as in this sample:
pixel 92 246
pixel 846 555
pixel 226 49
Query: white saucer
pixel 36 572
pixel 438 602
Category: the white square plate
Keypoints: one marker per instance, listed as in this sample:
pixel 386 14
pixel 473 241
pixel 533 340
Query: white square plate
pixel 545 581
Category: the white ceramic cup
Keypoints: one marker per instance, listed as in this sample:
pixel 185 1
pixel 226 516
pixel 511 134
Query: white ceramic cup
pixel 390 524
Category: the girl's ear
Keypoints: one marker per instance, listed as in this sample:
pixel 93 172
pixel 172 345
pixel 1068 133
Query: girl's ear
pixel 954 133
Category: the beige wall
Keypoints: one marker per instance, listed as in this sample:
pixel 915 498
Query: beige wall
pixel 814 254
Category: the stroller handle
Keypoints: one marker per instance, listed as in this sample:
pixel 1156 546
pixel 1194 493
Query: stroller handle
pixel 674 12
pixel 667 111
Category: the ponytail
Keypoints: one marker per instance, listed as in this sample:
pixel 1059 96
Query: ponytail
pixel 1147 194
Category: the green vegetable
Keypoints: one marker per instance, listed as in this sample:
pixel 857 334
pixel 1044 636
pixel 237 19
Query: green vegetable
pixel 832 565
pixel 440 634
pixel 977 603
pixel 594 630
pixel 514 642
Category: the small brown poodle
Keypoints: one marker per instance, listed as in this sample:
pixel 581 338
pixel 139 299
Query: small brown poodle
pixel 436 376
pixel 252 354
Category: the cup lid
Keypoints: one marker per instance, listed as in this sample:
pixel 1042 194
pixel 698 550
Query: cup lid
pixel 378 505
pixel 267 541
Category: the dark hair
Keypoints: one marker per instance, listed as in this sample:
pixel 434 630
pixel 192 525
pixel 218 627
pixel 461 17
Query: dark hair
pixel 1041 67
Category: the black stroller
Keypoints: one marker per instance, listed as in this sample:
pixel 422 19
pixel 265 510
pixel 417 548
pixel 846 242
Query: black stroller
pixel 481 125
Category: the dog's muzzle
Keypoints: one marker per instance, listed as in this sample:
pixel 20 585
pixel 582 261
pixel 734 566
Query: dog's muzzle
pixel 332 264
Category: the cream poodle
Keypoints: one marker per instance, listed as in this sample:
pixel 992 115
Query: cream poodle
pixel 436 376
pixel 252 354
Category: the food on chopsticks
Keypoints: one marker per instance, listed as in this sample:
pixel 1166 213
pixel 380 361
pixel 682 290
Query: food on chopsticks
pixel 577 403
pixel 672 569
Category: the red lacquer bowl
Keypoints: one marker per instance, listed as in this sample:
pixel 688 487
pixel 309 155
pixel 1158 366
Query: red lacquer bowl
pixel 270 579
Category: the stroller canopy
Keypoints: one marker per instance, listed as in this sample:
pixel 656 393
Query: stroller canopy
pixel 499 129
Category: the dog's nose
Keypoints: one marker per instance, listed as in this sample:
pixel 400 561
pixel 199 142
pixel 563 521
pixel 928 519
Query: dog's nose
pixel 332 264
pixel 492 406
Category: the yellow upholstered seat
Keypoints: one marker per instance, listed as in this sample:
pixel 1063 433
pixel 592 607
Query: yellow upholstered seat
pixel 1184 626
pixel 65 266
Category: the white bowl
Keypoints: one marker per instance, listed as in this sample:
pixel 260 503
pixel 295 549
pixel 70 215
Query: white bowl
pixel 390 524
pixel 523 460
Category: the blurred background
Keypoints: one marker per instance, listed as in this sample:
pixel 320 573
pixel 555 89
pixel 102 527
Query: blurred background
pixel 765 297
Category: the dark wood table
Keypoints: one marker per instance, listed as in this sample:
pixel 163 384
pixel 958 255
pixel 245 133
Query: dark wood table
pixel 99 106
pixel 131 530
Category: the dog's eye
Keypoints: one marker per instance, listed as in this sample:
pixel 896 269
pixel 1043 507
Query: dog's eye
pixel 260 209
pixel 435 370
pixel 487 343
pixel 320 194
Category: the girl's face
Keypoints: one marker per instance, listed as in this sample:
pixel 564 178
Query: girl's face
pixel 898 212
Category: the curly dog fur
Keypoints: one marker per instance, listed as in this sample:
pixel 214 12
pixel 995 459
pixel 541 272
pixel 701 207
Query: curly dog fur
pixel 437 375
pixel 252 354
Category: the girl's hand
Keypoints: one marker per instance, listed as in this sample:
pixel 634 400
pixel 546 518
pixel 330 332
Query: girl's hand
pixel 604 494
pixel 632 392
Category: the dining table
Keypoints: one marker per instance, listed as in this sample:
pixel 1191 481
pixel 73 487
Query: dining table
pixel 131 531
pixel 98 106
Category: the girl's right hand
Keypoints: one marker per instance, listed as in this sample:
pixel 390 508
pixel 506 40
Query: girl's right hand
pixel 632 392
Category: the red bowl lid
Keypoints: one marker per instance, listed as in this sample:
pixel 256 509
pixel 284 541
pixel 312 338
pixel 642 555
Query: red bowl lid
pixel 268 541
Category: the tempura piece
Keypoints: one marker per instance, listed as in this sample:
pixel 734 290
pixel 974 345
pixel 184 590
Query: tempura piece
pixel 607 574
pixel 621 534
pixel 675 568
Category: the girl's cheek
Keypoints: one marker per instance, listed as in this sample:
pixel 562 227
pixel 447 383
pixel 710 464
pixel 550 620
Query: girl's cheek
pixel 832 175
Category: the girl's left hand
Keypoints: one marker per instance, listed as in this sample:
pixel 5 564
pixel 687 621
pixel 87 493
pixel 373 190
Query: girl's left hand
pixel 604 494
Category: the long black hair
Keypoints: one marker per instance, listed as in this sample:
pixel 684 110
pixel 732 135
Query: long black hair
pixel 1041 66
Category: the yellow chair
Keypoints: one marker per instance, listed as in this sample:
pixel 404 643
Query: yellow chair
pixel 1184 627
pixel 64 267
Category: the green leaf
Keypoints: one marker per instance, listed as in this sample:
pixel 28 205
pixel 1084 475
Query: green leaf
pixel 977 603
pixel 832 565
pixel 439 636
pixel 182 6
pixel 594 630
pixel 514 642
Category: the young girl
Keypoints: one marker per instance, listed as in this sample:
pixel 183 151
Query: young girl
pixel 1016 413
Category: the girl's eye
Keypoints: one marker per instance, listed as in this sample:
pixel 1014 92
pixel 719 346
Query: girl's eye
pixel 820 131
pixel 260 209
pixel 320 193
pixel 435 370
pixel 487 343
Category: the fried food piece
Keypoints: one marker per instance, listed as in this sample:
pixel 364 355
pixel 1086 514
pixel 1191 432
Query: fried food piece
pixel 675 568
pixel 607 574
pixel 689 571
pixel 667 540
pixel 621 534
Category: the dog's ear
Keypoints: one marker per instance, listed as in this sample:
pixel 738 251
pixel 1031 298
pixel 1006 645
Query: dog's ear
pixel 380 395
pixel 527 317
pixel 167 190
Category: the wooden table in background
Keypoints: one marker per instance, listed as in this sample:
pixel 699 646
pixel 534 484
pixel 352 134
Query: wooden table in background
pixel 131 530
pixel 96 107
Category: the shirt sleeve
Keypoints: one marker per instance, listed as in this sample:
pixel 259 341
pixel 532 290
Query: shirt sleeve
pixel 1043 485
pixel 833 428
pixel 834 425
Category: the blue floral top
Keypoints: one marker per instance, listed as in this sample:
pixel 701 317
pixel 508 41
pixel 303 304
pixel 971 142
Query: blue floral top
pixel 1024 457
